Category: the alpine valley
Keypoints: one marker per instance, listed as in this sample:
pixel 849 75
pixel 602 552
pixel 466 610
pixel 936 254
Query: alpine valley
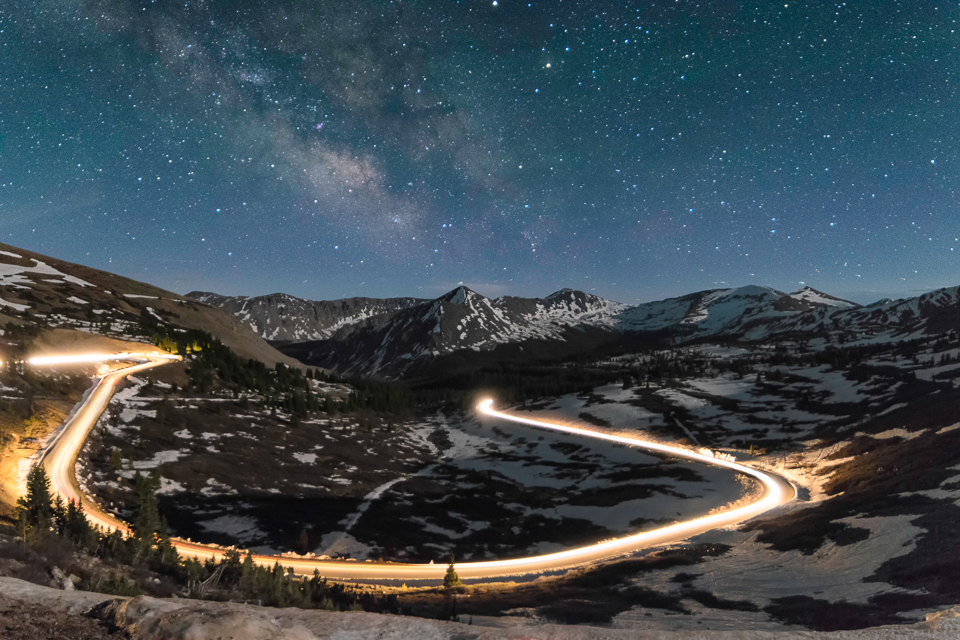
pixel 347 431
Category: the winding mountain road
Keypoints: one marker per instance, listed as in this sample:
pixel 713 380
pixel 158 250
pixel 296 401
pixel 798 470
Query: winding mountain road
pixel 61 455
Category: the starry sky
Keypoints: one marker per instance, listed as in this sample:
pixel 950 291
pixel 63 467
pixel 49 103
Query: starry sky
pixel 633 149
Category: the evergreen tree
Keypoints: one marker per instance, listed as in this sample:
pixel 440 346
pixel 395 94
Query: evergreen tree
pixel 59 513
pixel 78 528
pixel 35 508
pixel 148 523
pixel 165 412
pixel 451 579
pixel 248 575
pixel 116 458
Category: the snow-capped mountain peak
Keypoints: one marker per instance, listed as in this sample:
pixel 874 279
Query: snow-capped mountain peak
pixel 461 295
pixel 818 298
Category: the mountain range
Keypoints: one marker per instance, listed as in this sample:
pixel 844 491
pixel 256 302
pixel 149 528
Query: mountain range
pixel 407 337
pixel 404 336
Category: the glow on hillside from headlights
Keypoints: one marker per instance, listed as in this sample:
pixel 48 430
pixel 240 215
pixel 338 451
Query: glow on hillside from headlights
pixel 84 358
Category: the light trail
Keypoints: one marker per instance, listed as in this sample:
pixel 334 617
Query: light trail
pixel 99 357
pixel 60 460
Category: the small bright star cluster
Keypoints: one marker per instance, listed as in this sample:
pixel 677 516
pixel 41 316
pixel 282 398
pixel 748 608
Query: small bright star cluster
pixel 636 150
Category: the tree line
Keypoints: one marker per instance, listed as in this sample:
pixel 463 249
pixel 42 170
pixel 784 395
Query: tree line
pixel 234 576
pixel 213 364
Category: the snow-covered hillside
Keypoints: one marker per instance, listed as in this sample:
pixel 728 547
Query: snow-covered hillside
pixel 465 320
pixel 811 295
pixel 279 316
pixel 705 313
pixel 930 313
pixel 40 289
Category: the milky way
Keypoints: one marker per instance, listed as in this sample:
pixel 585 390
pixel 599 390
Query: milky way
pixel 632 149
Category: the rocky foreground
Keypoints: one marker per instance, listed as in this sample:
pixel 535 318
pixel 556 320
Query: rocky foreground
pixel 32 611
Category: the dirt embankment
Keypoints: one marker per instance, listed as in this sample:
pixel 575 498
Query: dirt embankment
pixel 21 436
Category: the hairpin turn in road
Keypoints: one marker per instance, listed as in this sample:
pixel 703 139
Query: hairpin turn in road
pixel 60 462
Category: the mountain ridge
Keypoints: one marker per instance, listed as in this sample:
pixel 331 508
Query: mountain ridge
pixel 463 321
pixel 65 294
pixel 395 337
pixel 268 315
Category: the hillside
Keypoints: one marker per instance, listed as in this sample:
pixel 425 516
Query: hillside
pixel 401 341
pixel 282 317
pixel 55 293
pixel 854 405
pixel 49 306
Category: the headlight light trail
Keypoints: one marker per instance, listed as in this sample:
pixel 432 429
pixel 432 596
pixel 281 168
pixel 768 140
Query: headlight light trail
pixel 61 455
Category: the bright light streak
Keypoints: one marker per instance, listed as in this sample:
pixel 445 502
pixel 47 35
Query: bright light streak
pixel 60 460
pixel 774 496
pixel 96 357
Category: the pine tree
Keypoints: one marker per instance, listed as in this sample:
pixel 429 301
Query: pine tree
pixel 275 585
pixel 451 580
pixel 78 528
pixel 165 412
pixel 148 522
pixel 248 575
pixel 59 511
pixel 35 507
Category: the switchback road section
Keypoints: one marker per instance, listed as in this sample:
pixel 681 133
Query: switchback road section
pixel 60 462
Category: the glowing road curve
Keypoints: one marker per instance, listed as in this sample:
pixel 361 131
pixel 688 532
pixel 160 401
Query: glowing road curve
pixel 61 455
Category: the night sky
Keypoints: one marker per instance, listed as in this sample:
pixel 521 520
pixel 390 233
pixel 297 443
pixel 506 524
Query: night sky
pixel 636 150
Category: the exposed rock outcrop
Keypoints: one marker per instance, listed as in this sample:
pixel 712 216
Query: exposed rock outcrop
pixel 145 618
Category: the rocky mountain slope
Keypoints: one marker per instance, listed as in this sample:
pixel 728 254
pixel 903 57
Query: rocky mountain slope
pixel 397 336
pixel 54 293
pixel 931 313
pixel 282 317
pixel 462 320
pixel 724 311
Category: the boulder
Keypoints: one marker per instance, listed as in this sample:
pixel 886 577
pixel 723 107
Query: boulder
pixel 145 618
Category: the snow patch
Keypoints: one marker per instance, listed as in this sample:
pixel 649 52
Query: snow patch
pixel 894 433
pixel 341 543
pixel 77 281
pixel 214 488
pixel 14 305
pixel 168 486
pixel 242 528
pixel 160 457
